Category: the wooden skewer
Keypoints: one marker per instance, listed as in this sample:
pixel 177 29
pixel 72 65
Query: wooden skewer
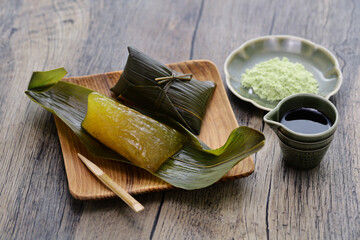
pixel 113 186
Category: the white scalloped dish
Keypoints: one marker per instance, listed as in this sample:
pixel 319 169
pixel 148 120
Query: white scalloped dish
pixel 315 58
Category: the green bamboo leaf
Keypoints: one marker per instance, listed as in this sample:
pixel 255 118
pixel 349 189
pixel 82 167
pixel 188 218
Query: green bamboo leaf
pixel 194 166
pixel 41 81
pixel 154 86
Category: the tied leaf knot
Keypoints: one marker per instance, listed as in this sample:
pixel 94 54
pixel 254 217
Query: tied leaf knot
pixel 174 76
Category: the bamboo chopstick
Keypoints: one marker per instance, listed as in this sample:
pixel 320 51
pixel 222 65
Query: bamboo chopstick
pixel 113 186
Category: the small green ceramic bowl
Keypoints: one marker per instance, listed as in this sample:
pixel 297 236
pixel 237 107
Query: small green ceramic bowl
pixel 302 159
pixel 315 58
pixel 304 145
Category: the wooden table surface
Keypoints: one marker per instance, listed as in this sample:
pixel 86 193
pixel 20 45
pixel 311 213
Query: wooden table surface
pixel 89 37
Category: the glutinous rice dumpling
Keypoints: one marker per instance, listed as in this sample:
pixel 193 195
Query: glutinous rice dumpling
pixel 140 139
pixel 153 86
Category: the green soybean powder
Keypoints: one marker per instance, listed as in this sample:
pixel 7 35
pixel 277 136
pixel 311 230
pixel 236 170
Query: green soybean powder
pixel 276 79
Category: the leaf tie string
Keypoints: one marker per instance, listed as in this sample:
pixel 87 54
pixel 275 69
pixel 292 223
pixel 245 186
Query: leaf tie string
pixel 174 76
pixel 168 80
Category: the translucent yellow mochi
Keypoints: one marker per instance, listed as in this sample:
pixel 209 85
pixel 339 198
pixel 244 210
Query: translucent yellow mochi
pixel 141 139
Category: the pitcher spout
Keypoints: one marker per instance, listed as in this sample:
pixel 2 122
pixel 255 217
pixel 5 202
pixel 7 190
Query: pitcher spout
pixel 272 118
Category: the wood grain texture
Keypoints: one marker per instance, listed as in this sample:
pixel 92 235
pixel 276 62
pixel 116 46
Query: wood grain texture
pixel 90 37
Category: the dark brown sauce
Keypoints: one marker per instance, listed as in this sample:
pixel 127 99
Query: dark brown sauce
pixel 306 120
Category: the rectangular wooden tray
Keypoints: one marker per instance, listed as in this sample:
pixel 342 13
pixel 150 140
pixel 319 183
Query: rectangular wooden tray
pixel 219 121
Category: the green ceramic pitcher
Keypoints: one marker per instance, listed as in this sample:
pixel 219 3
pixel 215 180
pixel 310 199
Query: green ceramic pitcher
pixel 301 150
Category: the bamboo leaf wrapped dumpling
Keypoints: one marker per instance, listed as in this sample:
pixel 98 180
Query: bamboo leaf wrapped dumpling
pixel 142 140
pixel 153 86
pixel 194 166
